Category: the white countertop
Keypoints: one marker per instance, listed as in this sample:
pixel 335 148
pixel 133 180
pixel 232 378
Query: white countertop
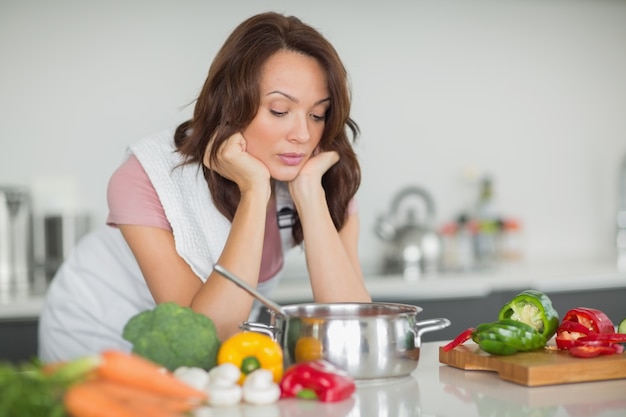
pixel 439 390
pixel 447 391
pixel 549 277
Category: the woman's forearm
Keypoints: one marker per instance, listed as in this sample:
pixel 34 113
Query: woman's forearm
pixel 219 298
pixel 331 256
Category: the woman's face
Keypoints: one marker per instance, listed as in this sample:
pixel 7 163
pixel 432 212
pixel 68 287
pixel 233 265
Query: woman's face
pixel 291 117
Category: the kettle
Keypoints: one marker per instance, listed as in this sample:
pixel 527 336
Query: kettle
pixel 413 247
pixel 16 249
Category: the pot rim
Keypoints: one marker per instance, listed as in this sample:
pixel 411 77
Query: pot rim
pixel 350 310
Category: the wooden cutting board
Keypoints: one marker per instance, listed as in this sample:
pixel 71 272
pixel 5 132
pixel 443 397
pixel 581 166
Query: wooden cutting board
pixel 538 368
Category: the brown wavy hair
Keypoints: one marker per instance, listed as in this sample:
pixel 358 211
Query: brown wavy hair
pixel 230 99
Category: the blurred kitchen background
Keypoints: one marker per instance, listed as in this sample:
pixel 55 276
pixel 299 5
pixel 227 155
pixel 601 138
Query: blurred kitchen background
pixel 493 140
pixel 519 101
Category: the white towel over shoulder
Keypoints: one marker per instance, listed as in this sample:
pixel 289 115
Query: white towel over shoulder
pixel 200 230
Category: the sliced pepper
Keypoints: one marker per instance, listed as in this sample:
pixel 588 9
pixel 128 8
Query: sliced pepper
pixel 583 324
pixel 250 351
pixel 463 337
pixel 317 379
pixel 507 336
pixel 495 347
pixel 593 350
pixel 594 320
pixel 533 308
pixel 604 337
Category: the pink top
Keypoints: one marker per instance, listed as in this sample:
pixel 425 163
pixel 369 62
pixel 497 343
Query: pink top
pixel 133 200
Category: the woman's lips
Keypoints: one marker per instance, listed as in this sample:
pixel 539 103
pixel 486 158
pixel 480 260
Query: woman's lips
pixel 291 159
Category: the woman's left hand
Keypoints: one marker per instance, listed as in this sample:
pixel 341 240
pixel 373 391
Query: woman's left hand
pixel 311 173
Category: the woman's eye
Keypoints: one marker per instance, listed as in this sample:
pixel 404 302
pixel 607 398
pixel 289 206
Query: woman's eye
pixel 278 113
pixel 318 118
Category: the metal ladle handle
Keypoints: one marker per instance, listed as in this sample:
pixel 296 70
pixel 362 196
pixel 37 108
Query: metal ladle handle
pixel 251 290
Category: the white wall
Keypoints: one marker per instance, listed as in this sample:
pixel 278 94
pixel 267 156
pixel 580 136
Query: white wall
pixel 530 91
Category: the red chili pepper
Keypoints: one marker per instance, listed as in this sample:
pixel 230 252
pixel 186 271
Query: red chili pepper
pixel 317 379
pixel 463 337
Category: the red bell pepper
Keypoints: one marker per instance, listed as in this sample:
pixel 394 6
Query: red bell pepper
pixel 582 322
pixel 587 332
pixel 605 337
pixel 591 351
pixel 588 348
pixel 317 379
pixel 568 333
pixel 594 320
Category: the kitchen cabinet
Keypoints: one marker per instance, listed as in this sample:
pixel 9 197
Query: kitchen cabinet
pixel 468 312
pixel 18 339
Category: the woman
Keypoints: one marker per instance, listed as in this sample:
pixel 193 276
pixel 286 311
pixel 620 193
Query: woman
pixel 264 165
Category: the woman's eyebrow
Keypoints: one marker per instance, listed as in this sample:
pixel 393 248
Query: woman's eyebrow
pixel 294 99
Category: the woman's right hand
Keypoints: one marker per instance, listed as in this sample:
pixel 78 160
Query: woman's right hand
pixel 237 165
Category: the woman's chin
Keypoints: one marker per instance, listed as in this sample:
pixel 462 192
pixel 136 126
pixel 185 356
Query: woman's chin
pixel 285 174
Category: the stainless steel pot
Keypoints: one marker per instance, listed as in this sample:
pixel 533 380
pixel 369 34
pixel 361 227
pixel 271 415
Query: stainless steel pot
pixel 368 340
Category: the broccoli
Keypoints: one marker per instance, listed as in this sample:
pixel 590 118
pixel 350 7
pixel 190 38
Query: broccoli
pixel 173 336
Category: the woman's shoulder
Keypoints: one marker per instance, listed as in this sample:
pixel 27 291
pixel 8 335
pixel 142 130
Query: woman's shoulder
pixel 132 198
pixel 127 176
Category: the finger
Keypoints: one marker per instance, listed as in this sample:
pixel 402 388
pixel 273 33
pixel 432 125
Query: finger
pixel 330 158
pixel 206 159
pixel 236 143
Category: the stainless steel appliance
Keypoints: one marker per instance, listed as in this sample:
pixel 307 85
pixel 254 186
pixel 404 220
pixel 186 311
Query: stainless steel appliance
pixel 413 247
pixel 16 243
pixel 56 235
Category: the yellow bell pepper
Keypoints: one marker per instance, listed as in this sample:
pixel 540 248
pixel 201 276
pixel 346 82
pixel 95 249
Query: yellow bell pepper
pixel 250 351
pixel 308 349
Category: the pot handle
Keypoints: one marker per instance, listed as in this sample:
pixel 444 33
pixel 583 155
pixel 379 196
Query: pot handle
pixel 431 325
pixel 269 330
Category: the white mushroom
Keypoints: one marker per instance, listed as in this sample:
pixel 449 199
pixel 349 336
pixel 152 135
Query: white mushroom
pixel 195 377
pixel 223 389
pixel 259 388
pixel 221 396
pixel 225 374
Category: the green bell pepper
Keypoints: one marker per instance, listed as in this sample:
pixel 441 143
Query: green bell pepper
pixel 507 336
pixel 535 309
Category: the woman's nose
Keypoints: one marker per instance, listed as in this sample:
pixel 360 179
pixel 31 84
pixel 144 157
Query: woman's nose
pixel 300 130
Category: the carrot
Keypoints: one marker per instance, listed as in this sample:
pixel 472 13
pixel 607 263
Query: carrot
pixel 136 371
pixel 147 409
pixel 133 395
pixel 80 400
